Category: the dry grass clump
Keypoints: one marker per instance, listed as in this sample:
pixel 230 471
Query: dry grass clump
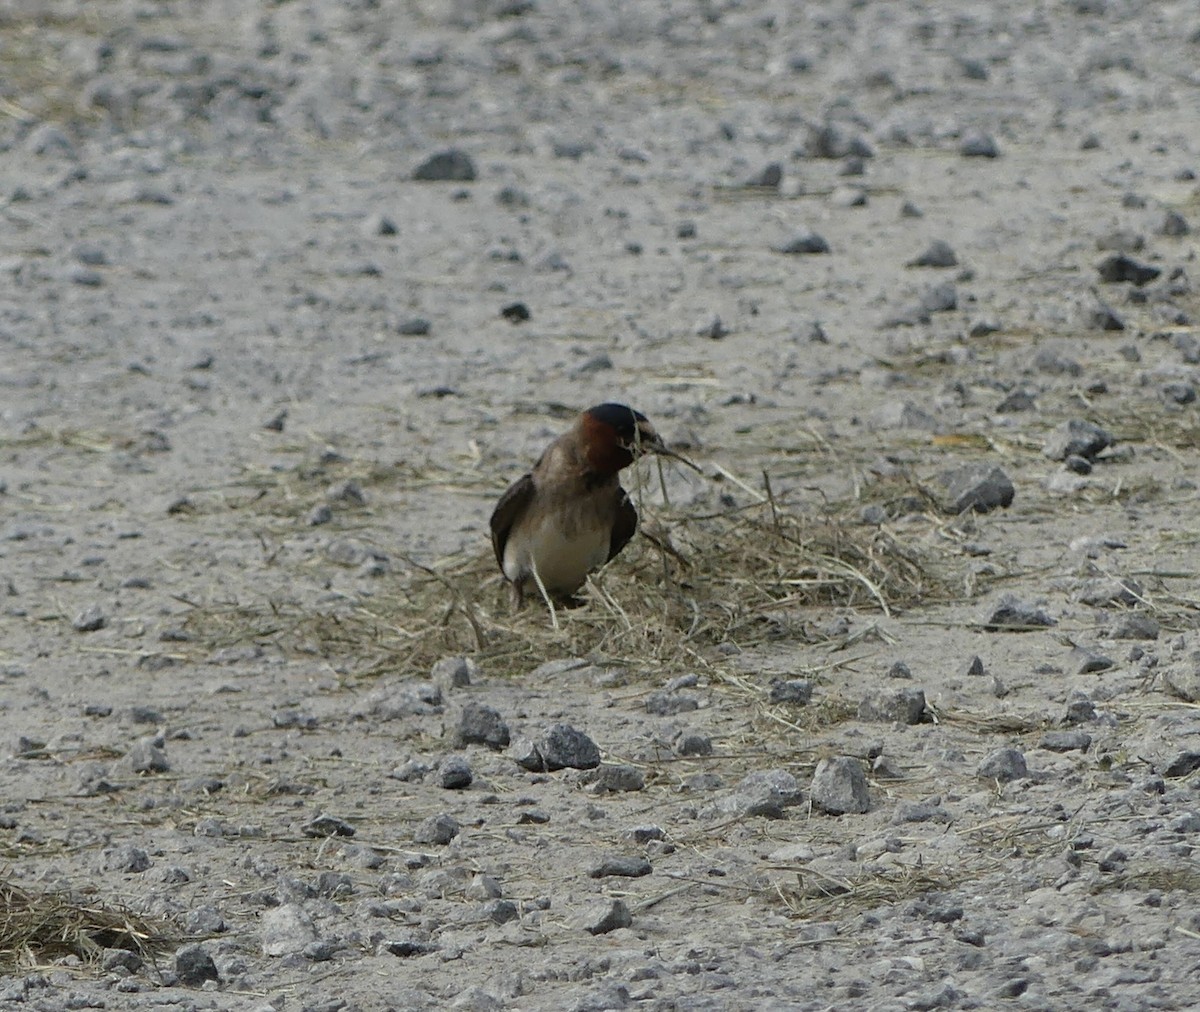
pixel 685 586
pixel 39 927
pixel 814 895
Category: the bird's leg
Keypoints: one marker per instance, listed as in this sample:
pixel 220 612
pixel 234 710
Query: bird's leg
pixel 545 594
pixel 516 596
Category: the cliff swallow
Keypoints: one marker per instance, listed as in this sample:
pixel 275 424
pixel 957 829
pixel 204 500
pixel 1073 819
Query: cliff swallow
pixel 569 515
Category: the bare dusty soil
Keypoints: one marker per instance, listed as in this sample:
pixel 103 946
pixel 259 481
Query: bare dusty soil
pixel 259 392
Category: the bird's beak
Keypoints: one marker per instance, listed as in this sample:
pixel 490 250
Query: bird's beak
pixel 659 447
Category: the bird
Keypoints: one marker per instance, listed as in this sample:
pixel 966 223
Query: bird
pixel 569 515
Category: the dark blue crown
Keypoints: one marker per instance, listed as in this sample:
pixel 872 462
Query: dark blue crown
pixel 621 418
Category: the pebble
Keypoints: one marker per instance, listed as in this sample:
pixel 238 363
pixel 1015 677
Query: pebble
pixel 1087 661
pixel 711 326
pixel 1183 764
pixel 1103 317
pixel 1004 765
pixel 526 754
pixel 437 830
pixel 771 175
pixel 483 887
pixel 1110 592
pixel 148 756
pixel 516 312
pixel 285 929
pixel 1080 709
pixel 1134 626
pixel 413 326
pixel 603 916
pixel 804 241
pixel 691 744
pixel 127 858
pixel 407 946
pixel 1076 437
pixel 902 706
pixel 500 911
pixel 319 514
pixel 974 667
pixel 327 825
pixel 1121 267
pixel 1065 741
pixel 980 487
pixel 451 165
pixel 621 866
pixel 562 746
pixel 480 724
pixel 1174 224
pixel 977 144
pixel 839 786
pixel 764 793
pixel 664 703
pixel 617 778
pixel 796 691
pixel 1182 684
pixel 1011 613
pixel 938 253
pixel 455 773
pixel 90 619
pixel 193 966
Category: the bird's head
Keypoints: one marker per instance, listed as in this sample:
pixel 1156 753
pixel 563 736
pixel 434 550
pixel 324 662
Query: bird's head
pixel 615 435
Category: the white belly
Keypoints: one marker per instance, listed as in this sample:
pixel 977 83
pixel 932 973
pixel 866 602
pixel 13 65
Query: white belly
pixel 563 559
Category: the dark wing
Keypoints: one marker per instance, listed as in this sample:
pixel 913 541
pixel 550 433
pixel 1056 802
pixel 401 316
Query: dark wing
pixel 510 507
pixel 624 525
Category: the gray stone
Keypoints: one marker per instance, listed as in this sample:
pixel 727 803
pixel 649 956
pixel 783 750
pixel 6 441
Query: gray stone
pixel 621 866
pixel 90 619
pixel 903 706
pixel 1076 437
pixel 1065 741
pixel 1182 683
pixel 327 825
pixel 1173 224
pixel 482 725
pixel 147 756
pixel 1087 661
pixel 977 144
pixel 691 744
pixel 765 793
pixel 980 487
pixel 711 325
pixel 974 667
pixel 1120 267
pixel 527 755
pixel 771 175
pixel 1080 709
pixel 666 704
pixel 1182 764
pixel 562 747
pixel 938 253
pixel 1134 626
pixel 1109 592
pixel 483 887
pixel 617 778
pixel 455 773
pixel 451 165
pixel 127 858
pixel 603 916
pixel 796 691
pixel 437 830
pixel 1004 765
pixel 193 966
pixel 1013 615
pixel 804 241
pixel 285 930
pixel 839 786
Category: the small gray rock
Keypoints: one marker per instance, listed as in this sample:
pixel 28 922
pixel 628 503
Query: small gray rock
pixel 1134 626
pixel 147 756
pixel 455 773
pixel 452 673
pixel 480 724
pixel 664 703
pixel 1183 764
pixel 500 911
pixel 771 176
pixel 1173 224
pixel 437 830
pixel 1087 661
pixel 1077 437
pixel 603 916
pixel 693 744
pixel 764 793
pixel 285 930
pixel 327 825
pixel 451 165
pixel 528 756
pixel 974 667
pixel 617 778
pixel 1065 741
pixel 980 487
pixel 902 706
pixel 1080 709
pixel 562 747
pixel 193 966
pixel 1120 267
pixel 413 326
pixel 1011 614
pixel 1182 684
pixel 1004 765
pixel 379 224
pixel 977 144
pixel 621 866
pixel 937 254
pixel 710 325
pixel 127 858
pixel 803 242
pixel 839 786
pixel 90 619
pixel 796 691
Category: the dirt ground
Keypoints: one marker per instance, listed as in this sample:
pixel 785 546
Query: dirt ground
pixel 262 384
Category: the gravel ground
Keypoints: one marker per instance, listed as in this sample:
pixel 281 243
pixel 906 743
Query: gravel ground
pixel 292 291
